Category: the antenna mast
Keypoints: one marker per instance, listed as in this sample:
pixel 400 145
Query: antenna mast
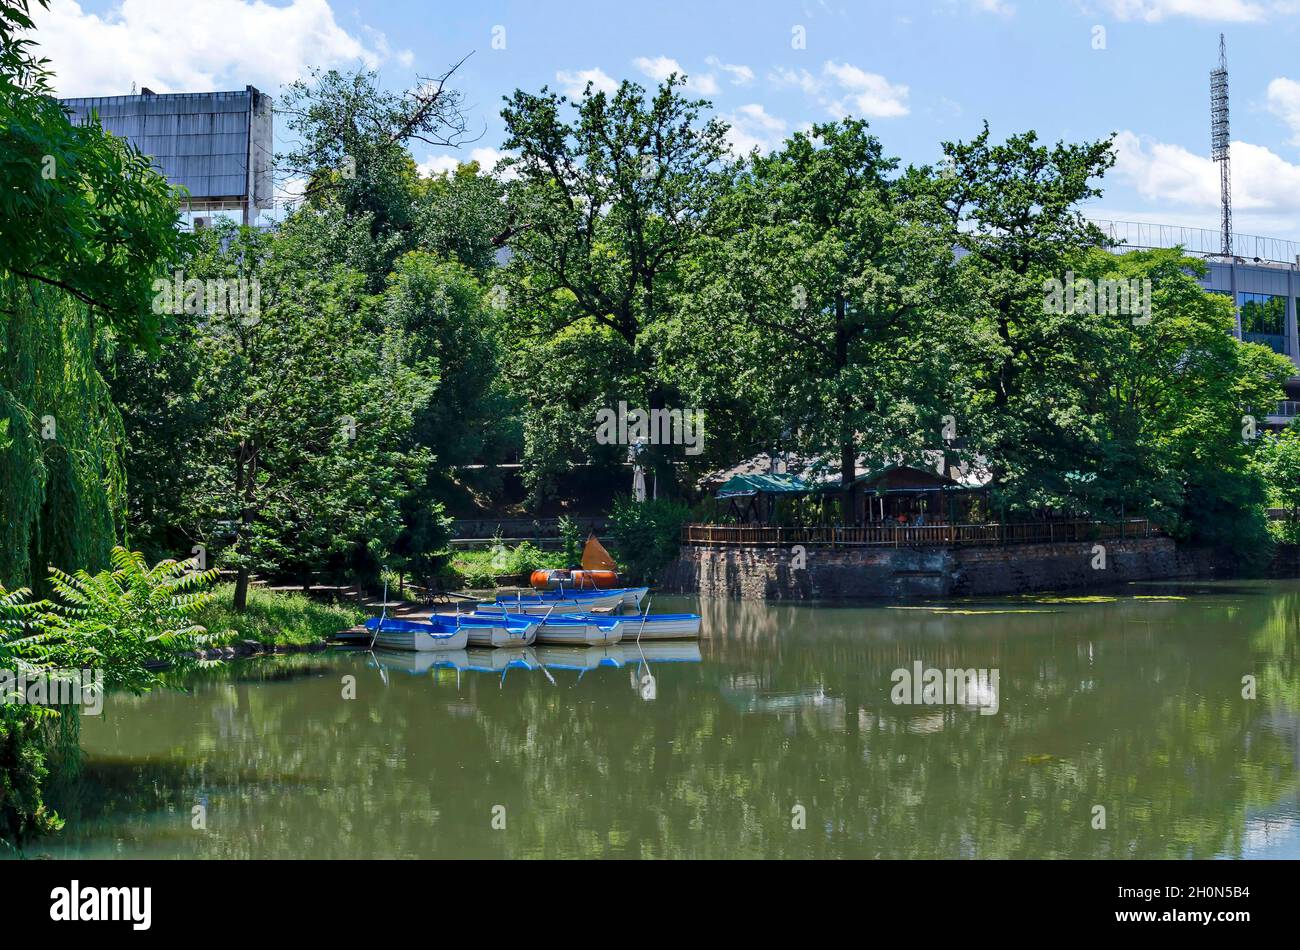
pixel 1220 140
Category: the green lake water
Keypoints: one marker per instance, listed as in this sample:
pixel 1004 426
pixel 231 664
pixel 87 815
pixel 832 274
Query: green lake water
pixel 778 738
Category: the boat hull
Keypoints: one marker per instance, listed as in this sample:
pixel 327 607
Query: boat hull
pixel 580 633
pixel 662 627
pixel 422 641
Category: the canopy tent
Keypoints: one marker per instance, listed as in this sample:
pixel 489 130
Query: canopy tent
pixel 763 491
pixel 745 486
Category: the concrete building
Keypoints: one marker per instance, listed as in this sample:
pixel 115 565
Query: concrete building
pixel 215 145
pixel 1262 278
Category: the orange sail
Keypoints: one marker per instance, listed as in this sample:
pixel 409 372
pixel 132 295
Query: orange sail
pixel 595 557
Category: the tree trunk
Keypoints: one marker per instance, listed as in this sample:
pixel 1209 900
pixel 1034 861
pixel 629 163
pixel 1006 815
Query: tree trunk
pixel 246 483
pixel 848 449
pixel 241 590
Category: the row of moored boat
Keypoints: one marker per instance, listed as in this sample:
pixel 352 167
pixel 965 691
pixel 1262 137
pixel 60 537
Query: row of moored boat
pixel 566 618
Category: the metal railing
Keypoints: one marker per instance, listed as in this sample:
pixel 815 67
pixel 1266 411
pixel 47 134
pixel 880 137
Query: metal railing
pixel 1198 241
pixel 932 535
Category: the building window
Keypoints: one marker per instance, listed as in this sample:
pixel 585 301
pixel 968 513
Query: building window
pixel 1263 320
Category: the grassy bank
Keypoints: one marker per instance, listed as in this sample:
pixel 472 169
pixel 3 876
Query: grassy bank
pixel 275 618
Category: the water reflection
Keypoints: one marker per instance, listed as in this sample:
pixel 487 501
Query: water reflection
pixel 1133 703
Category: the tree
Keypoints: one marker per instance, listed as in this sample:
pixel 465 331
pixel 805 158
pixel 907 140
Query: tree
pixel 1014 212
pixel 603 213
pixel 351 149
pixel 85 225
pixel 310 454
pixel 824 281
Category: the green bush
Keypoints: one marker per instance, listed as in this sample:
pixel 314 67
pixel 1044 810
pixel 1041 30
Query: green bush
pixel 121 621
pixel 648 535
pixel 572 542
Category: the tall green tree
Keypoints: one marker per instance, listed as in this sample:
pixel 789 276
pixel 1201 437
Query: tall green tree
pixel 309 456
pixel 1015 216
pixel 824 281
pixel 605 207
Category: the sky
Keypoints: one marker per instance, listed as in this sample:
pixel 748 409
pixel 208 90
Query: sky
pixel 920 71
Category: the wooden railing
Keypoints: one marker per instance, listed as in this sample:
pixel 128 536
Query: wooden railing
pixel 936 535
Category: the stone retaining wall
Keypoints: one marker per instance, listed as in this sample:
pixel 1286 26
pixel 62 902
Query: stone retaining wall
pixel 833 573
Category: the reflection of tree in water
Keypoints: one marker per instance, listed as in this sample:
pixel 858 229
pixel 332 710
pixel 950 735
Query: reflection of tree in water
pixel 1134 705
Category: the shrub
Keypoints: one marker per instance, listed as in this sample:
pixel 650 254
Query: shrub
pixel 648 534
pixel 121 621
pixel 572 541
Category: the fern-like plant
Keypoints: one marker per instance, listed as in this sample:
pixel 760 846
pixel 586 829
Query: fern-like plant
pixel 26 645
pixel 121 621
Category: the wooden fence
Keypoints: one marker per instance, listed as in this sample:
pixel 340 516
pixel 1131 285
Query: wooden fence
pixel 937 535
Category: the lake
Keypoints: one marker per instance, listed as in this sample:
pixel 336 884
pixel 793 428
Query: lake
pixel 778 737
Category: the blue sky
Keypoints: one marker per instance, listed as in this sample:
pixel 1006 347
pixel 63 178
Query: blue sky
pixel 919 70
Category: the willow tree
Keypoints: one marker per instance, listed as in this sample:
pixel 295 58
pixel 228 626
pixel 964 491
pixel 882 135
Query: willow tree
pixel 85 225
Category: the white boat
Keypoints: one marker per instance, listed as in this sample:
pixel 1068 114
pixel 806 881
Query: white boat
pixel 659 627
pixel 533 608
pixel 506 630
pixel 419 635
pixel 593 599
pixel 587 631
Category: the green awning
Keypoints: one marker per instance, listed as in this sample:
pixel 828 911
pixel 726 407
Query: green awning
pixel 744 486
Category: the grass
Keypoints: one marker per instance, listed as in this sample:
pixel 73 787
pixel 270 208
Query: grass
pixel 275 618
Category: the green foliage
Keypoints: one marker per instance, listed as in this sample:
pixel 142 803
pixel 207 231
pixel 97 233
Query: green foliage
pixel 605 208
pixel 481 569
pixel 24 771
pixel 274 618
pixel 572 541
pixel 648 534
pixel 821 294
pixel 122 620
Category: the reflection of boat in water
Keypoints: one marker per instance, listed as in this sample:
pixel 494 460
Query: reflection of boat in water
pixel 483 660
pixel 658 626
pixel 435 634
pixel 665 651
pixel 617 655
pixel 418 663
pixel 505 630
pixel 581 658
pixel 476 660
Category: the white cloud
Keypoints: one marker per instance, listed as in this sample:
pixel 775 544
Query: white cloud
pixel 999 7
pixel 1231 11
pixel 740 74
pixel 752 127
pixel 1284 102
pixel 215 44
pixel 487 159
pixel 844 89
pixel 1264 184
pixel 660 68
pixel 573 82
